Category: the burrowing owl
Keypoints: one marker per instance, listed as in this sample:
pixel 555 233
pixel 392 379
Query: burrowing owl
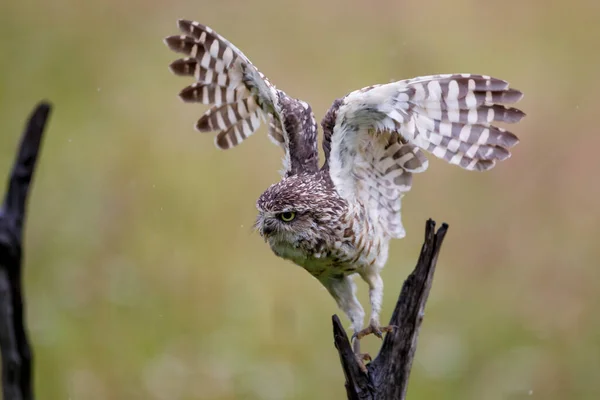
pixel 337 220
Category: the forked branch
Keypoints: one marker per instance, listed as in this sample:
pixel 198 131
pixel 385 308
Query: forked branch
pixel 387 376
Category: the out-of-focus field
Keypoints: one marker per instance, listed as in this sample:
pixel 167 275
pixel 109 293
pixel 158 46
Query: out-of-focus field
pixel 144 279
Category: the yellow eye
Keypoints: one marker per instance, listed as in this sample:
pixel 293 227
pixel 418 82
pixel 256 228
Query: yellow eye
pixel 287 216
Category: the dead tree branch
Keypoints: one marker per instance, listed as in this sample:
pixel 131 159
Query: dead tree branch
pixel 388 374
pixel 16 352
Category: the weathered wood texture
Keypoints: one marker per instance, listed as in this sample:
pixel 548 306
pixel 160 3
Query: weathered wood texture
pixel 17 374
pixel 387 376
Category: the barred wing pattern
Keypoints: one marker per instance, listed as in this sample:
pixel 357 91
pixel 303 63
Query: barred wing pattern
pixel 373 147
pixel 240 95
pixel 383 175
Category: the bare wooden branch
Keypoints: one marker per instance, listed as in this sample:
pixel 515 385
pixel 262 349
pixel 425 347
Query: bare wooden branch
pixel 16 352
pixel 387 376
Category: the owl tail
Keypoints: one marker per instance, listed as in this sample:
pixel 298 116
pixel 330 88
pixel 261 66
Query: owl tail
pixel 451 116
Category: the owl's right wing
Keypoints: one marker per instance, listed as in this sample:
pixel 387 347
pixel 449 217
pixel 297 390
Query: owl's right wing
pixel 240 96
pixel 374 137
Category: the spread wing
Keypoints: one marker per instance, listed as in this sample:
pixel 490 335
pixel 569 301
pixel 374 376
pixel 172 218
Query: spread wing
pixel 240 96
pixel 374 137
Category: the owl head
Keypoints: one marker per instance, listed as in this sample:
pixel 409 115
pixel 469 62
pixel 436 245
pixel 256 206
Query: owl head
pixel 298 209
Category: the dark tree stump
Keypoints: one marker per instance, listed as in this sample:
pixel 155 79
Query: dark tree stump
pixel 387 376
pixel 17 376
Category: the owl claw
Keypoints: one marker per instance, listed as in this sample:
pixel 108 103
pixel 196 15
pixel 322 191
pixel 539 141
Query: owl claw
pixel 373 329
pixel 360 359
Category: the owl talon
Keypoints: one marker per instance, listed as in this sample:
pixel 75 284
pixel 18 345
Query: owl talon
pixel 360 359
pixel 388 329
pixel 375 330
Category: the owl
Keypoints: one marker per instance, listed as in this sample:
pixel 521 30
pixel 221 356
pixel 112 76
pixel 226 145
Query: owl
pixel 336 220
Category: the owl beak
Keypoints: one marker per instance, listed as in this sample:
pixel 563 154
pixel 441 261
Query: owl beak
pixel 267 230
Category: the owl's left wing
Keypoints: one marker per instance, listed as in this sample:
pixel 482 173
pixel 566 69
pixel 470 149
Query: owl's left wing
pixel 374 137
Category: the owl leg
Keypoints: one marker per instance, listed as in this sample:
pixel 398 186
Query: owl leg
pixel 375 283
pixel 343 290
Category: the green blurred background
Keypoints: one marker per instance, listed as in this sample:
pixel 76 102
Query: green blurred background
pixel 143 278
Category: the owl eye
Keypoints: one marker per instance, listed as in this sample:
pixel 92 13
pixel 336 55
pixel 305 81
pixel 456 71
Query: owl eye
pixel 287 216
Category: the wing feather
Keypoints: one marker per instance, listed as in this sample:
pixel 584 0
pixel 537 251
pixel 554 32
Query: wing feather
pixel 240 96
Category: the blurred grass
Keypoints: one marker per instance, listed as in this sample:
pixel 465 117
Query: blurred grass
pixel 143 278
